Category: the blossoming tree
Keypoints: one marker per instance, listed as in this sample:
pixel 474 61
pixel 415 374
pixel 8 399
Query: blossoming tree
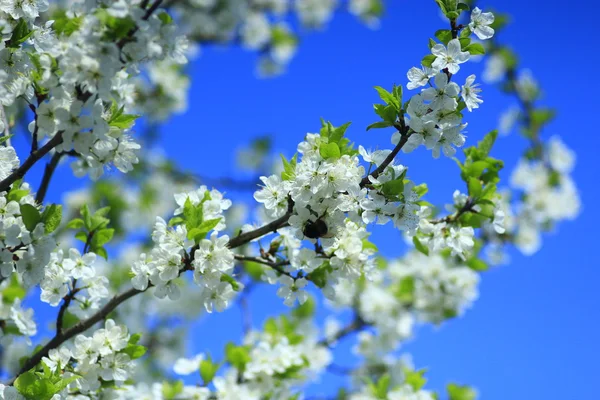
pixel 75 77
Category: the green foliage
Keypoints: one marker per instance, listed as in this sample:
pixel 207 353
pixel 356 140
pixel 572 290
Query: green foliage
pixel 42 385
pixel 50 217
pixel 381 388
pixel 208 370
pixel 428 60
pixel 405 291
pixel 419 246
pixel 20 34
pixel 289 168
pixel 389 111
pixel 171 390
pixel 444 35
pixel 475 49
pixel 93 229
pixel 116 28
pixel 63 25
pixel 306 310
pixel 329 151
pixel 31 216
pixel 459 392
pixel 13 291
pixel 120 120
pixel 193 218
pixel 415 379
pixel 237 356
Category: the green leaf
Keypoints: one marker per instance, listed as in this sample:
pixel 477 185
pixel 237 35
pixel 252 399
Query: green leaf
pixel 75 223
pixel 475 187
pixel 124 121
pixel 464 42
pixel 193 214
pixel 387 113
pixel 329 151
pixel 165 18
pixel 463 7
pixel 305 310
pixel 442 6
pixel 379 125
pixel 431 43
pixel 337 133
pixel 238 356
pixel 428 60
pixel 289 168
pixel 542 116
pixel 63 24
pixel 465 33
pixel 13 291
pixel 419 246
pixel 486 144
pixel 20 34
pixel 393 188
pixel 421 190
pixel 475 49
pixel 101 251
pixel 63 383
pixel 135 338
pixel 171 390
pixel 383 386
pixel 5 138
pixel 134 351
pixel 200 232
pixel 176 221
pixel 477 264
pixel 31 216
pixel 208 370
pixel 388 98
pixel 405 292
pixel 32 386
pixel 81 235
pixel 415 378
pixel 444 36
pixel 458 392
pixel 87 217
pixel 102 236
pixel 475 169
pixel 52 216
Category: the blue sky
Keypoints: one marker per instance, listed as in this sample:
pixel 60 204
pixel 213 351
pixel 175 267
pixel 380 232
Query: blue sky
pixel 533 334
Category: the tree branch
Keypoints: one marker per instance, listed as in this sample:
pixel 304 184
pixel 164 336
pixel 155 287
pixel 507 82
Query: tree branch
pixel 50 168
pixel 388 160
pixel 355 326
pixel 34 157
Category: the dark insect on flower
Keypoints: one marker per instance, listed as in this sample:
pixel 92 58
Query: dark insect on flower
pixel 317 229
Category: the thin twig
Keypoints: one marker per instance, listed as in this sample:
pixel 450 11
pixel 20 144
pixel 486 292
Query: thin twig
pixel 48 172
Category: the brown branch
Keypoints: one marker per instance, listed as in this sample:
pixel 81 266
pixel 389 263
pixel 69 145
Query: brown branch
pixel 34 157
pixel 357 325
pixel 78 328
pixel 388 160
pixel 48 172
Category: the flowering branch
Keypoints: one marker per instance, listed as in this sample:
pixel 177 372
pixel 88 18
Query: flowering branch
pixel 34 157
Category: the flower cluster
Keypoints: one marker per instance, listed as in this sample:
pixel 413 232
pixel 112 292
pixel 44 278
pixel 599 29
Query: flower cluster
pixel 75 274
pixel 549 194
pixel 76 79
pixel 99 360
pixel 199 212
